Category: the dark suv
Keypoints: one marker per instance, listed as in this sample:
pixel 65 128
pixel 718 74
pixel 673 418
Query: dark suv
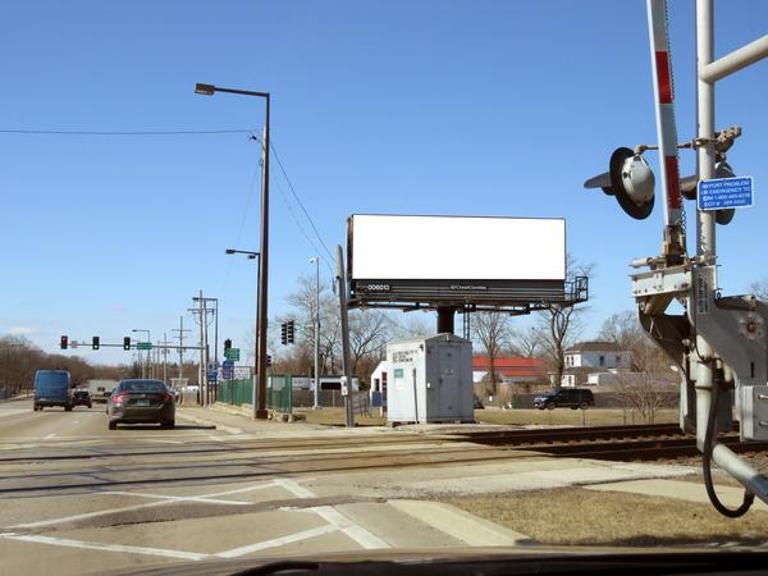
pixel 81 398
pixel 565 398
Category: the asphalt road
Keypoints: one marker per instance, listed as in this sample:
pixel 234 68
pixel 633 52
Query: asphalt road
pixel 78 498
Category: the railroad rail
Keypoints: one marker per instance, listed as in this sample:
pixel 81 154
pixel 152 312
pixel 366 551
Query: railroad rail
pixel 622 443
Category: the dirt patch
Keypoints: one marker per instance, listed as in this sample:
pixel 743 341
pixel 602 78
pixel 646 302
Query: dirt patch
pixel 575 516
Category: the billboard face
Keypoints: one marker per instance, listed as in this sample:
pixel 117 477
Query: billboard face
pixel 443 258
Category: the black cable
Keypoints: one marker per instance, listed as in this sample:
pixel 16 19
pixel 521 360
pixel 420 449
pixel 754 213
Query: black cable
pixel 33 132
pixel 709 437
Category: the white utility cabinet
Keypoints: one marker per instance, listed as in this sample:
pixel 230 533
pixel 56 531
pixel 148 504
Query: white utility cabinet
pixel 430 380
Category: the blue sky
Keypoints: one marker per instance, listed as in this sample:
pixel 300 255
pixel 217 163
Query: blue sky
pixel 477 108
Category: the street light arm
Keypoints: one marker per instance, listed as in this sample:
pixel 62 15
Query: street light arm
pixel 210 89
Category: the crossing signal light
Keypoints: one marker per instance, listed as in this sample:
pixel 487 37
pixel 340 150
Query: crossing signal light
pixel 64 342
pixel 95 343
pixel 290 332
pixel 127 343
pixel 630 180
pixel 227 344
pixel 284 333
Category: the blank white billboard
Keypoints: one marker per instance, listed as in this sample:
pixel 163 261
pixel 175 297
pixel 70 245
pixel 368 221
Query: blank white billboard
pixel 385 247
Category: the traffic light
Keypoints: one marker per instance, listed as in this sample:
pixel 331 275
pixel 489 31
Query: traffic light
pixel 289 331
pixel 64 342
pixel 284 333
pixel 95 343
pixel 269 360
pixel 227 344
pixel 127 343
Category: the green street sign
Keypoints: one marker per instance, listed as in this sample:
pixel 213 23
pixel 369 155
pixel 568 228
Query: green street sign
pixel 143 345
pixel 232 354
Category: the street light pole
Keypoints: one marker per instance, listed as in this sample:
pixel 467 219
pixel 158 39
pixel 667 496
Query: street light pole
pixel 316 261
pixel 252 256
pixel 261 338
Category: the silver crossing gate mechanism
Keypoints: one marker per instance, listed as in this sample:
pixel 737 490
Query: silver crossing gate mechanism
pixel 720 343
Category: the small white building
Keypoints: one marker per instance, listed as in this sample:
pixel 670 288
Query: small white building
pixel 597 355
pixel 430 380
pixel 597 363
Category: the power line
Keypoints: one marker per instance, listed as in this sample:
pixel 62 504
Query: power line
pixel 301 204
pixel 35 132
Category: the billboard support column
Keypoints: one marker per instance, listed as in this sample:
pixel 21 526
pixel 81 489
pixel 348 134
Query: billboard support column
pixel 445 317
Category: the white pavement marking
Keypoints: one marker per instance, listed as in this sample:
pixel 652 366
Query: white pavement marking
pixel 75 422
pixel 159 441
pixel 13 411
pixel 172 499
pixel 294 488
pixel 351 529
pixel 334 517
pixel 275 542
pixel 179 554
pixel 50 436
pixel 179 498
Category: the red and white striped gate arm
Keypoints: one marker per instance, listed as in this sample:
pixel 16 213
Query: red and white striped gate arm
pixel 665 111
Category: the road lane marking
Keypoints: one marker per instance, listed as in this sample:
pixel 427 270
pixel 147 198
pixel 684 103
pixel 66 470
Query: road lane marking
pixel 294 488
pixel 159 441
pixel 82 544
pixel 275 542
pixel 335 518
pixel 50 436
pixel 359 534
pixel 179 498
pixel 98 513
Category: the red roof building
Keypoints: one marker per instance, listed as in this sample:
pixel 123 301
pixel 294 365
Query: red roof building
pixel 510 368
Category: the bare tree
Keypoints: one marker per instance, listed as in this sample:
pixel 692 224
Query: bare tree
pixel 525 342
pixel 369 333
pixel 647 388
pixel 559 325
pixel 624 330
pixel 760 289
pixel 491 330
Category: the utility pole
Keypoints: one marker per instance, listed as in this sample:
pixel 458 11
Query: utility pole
pixel 345 357
pixel 316 260
pixel 165 357
pixel 180 335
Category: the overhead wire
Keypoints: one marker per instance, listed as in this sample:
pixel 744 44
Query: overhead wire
pixel 300 203
pixel 36 132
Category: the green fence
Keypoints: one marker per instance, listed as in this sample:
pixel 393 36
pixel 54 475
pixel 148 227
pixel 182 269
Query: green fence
pixel 280 393
pixel 239 392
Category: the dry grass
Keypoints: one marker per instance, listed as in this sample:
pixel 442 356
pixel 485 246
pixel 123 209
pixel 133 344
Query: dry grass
pixel 575 516
pixel 567 417
pixel 335 417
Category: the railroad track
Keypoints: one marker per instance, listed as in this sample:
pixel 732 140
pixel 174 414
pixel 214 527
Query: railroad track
pixel 621 443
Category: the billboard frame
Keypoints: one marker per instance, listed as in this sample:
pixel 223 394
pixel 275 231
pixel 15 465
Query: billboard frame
pixel 516 297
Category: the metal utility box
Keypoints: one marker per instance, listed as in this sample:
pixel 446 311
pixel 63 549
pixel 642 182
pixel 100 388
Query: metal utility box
pixel 430 380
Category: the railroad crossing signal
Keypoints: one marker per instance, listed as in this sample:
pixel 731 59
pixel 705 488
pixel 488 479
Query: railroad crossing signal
pixel 64 342
pixel 95 343
pixel 127 343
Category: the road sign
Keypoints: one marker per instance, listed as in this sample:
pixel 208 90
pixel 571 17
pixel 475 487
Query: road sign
pixel 719 193
pixel 143 345
pixel 228 373
pixel 213 376
pixel 232 354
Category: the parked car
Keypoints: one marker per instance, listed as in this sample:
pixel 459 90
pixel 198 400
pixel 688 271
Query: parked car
pixel 565 398
pixel 141 401
pixel 81 398
pixel 52 388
